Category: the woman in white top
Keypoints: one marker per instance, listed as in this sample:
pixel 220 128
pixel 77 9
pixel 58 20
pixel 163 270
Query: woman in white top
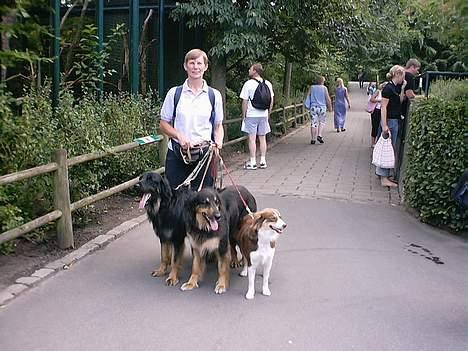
pixel 195 117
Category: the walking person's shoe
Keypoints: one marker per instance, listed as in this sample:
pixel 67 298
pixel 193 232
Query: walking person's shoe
pixel 312 142
pixel 337 130
pixel 320 139
pixel 250 166
pixel 343 129
pixel 262 165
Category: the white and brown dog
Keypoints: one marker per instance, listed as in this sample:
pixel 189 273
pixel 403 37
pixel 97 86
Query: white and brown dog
pixel 257 240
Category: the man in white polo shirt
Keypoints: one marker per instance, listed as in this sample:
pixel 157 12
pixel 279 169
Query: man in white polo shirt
pixel 255 120
pixel 197 118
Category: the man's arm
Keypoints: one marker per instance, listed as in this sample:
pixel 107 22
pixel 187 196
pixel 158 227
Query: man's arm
pixel 244 108
pixel 219 135
pixel 166 128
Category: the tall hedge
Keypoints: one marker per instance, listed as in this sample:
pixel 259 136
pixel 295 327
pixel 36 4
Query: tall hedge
pixel 30 132
pixel 437 154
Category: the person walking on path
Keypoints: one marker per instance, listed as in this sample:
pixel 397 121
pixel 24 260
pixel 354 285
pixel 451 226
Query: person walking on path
pixel 257 102
pixel 318 100
pixel 392 96
pixel 342 103
pixel 193 117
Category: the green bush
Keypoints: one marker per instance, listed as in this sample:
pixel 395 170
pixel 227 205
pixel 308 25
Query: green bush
pixel 437 154
pixel 30 132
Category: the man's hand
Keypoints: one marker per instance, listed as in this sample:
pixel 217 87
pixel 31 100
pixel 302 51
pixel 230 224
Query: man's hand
pixel 183 140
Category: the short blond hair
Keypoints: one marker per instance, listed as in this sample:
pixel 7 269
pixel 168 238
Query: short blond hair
pixel 194 54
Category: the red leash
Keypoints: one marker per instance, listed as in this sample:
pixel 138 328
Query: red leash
pixel 233 183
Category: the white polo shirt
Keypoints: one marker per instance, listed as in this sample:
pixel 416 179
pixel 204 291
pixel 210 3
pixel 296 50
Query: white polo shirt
pixel 193 112
pixel 247 93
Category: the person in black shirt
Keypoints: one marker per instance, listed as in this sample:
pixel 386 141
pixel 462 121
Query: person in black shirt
pixel 411 70
pixel 393 95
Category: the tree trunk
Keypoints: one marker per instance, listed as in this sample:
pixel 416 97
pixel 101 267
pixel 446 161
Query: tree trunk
pixel 218 77
pixel 75 41
pixel 6 20
pixel 143 57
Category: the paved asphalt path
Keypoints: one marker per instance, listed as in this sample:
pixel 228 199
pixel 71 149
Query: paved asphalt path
pixel 346 276
pixel 353 271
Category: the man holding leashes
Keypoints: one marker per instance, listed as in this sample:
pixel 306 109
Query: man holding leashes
pixel 257 102
pixel 192 116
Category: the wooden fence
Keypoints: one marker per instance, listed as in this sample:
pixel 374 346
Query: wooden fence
pixel 282 119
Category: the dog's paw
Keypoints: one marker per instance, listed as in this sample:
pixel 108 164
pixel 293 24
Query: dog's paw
pixel 220 289
pixel 250 295
pixel 172 281
pixel 161 271
pixel 243 273
pixel 188 286
pixel 236 264
pixel 266 292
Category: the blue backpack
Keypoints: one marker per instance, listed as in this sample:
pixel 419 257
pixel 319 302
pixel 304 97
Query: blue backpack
pixel 211 95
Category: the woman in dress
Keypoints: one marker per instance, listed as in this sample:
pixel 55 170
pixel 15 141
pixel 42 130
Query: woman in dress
pixel 341 100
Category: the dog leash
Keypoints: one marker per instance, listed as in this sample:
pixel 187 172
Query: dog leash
pixel 197 170
pixel 249 211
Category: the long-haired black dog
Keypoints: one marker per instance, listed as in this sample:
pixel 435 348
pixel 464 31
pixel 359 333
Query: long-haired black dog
pixel 165 208
pixel 212 217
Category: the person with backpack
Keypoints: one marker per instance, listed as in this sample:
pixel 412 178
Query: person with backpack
pixel 191 116
pixel 257 102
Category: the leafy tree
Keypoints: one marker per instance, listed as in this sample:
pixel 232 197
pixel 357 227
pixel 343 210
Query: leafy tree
pixel 21 23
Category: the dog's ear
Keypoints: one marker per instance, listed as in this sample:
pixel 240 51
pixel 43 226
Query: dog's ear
pixel 165 189
pixel 259 218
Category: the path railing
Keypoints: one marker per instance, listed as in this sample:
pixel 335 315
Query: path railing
pixel 281 119
pixel 63 207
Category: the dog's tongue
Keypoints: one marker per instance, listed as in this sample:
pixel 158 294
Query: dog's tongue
pixel 143 200
pixel 214 225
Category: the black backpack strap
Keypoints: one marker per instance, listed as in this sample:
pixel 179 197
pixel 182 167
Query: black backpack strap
pixel 211 95
pixel 177 94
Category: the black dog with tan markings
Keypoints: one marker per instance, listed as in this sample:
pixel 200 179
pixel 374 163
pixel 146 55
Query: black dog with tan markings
pixel 166 212
pixel 208 233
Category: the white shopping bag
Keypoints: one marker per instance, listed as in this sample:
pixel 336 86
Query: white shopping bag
pixel 383 155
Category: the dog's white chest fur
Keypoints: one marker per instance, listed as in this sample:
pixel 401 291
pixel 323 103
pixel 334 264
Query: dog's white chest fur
pixel 264 252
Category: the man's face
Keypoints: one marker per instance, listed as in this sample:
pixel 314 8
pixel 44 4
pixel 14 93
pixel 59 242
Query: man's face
pixel 195 67
pixel 414 70
pixel 252 72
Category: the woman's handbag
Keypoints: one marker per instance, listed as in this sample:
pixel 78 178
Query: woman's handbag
pixel 383 155
pixel 193 154
pixel 370 105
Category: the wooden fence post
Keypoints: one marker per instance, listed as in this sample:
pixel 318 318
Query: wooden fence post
pixel 163 151
pixel 295 116
pixel 285 122
pixel 62 201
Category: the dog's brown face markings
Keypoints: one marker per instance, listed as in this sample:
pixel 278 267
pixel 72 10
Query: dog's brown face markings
pixel 266 219
pixel 208 235
pixel 208 213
